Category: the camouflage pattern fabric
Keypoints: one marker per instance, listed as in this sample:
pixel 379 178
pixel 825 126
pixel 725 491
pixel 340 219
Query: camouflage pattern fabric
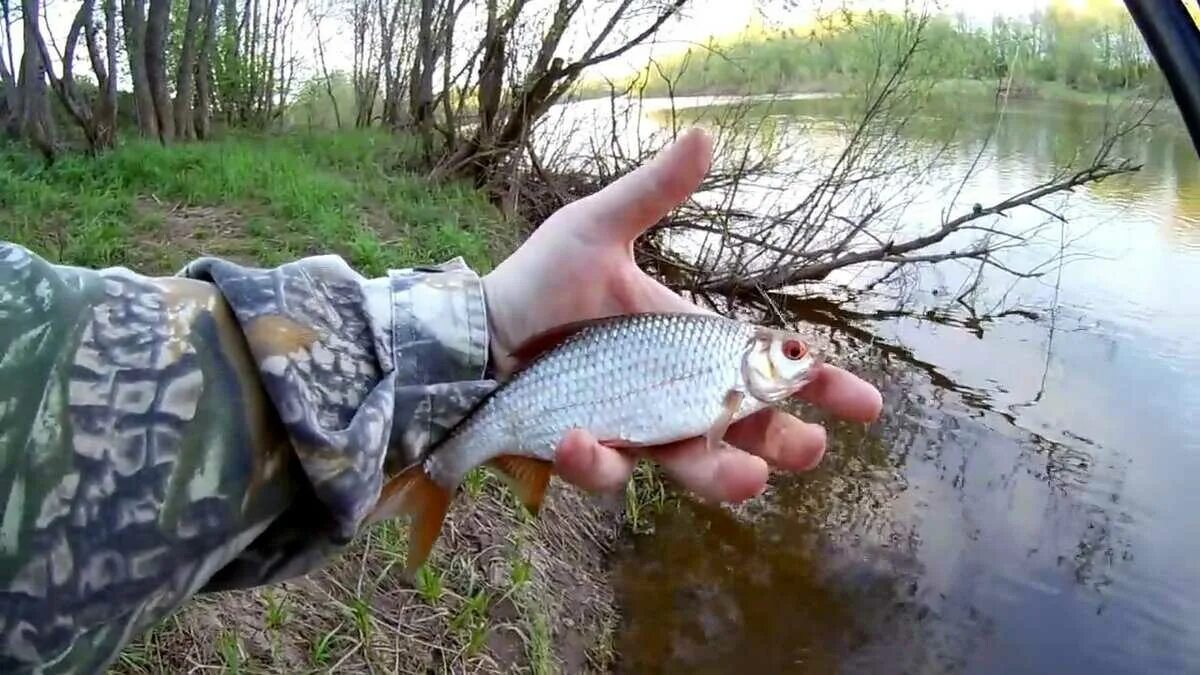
pixel 223 428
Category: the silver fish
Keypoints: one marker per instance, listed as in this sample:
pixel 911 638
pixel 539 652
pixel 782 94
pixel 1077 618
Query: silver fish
pixel 631 381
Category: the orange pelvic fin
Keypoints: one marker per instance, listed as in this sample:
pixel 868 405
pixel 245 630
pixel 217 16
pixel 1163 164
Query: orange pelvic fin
pixel 525 476
pixel 412 493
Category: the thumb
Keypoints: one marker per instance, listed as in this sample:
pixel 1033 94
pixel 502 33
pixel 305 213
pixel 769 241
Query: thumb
pixel 641 198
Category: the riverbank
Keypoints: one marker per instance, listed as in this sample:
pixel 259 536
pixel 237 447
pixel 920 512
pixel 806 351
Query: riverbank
pixel 503 592
pixel 1028 90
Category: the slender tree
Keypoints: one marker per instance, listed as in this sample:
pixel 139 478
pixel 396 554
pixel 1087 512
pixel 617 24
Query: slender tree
pixel 134 21
pixel 35 122
pixel 156 66
pixel 185 78
pixel 204 72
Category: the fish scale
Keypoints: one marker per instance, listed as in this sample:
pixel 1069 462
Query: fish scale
pixel 639 380
pixel 645 380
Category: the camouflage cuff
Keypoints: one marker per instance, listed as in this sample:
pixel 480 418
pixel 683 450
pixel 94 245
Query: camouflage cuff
pixel 359 370
pixel 439 324
pixel 231 428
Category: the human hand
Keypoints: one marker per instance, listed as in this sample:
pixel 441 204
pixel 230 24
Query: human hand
pixel 579 265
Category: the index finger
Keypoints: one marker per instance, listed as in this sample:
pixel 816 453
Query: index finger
pixel 843 394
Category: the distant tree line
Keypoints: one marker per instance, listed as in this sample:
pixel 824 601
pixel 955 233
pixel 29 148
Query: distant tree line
pixel 1096 47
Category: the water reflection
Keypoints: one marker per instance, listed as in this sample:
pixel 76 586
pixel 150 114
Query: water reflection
pixel 1026 502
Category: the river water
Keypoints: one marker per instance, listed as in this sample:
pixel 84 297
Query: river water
pixel 1028 501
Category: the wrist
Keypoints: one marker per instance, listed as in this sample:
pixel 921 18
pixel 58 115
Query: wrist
pixel 499 352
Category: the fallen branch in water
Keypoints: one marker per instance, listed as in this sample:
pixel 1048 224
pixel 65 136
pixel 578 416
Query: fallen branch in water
pixel 738 283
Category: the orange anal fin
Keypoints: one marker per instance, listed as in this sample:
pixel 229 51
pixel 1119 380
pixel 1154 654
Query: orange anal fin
pixel 733 401
pixel 525 476
pixel 412 493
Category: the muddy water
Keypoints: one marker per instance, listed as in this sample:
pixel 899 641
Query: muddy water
pixel 1029 501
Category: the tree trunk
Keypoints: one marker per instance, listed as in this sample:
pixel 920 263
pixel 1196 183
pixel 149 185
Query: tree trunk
pixel 231 38
pixel 6 16
pixel 157 25
pixel 34 114
pixel 106 107
pixel 450 130
pixel 9 93
pixel 134 16
pixel 65 86
pixel 337 113
pixel 250 55
pixel 185 79
pixel 267 68
pixel 387 39
pixel 8 99
pixel 478 156
pixel 204 73
pixel 104 66
pixel 421 98
pixel 491 73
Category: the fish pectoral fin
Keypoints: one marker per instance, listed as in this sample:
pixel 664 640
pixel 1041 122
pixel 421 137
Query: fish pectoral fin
pixel 526 477
pixel 412 493
pixel 733 401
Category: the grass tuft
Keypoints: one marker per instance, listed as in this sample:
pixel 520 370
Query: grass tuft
pixel 472 620
pixel 276 608
pixel 323 648
pixel 430 584
pixel 257 199
pixel 645 495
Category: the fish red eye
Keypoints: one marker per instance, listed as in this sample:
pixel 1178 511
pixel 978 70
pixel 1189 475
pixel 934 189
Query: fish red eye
pixel 794 350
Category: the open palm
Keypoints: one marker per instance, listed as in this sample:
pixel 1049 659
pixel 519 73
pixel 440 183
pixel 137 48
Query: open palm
pixel 579 265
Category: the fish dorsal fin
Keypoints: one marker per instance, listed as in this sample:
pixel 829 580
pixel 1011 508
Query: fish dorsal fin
pixel 540 343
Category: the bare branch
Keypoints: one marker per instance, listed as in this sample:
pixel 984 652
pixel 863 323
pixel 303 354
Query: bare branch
pixel 779 277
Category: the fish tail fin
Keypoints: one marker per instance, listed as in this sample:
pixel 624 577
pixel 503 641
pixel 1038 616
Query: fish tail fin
pixel 526 477
pixel 413 493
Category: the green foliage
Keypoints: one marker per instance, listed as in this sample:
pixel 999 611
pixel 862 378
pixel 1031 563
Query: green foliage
pixel 285 196
pixel 322 649
pixel 472 620
pixel 229 646
pixel 540 648
pixel 521 573
pixel 645 495
pixel 363 617
pixel 313 108
pixel 475 481
pixel 430 584
pixel 276 608
pixel 1099 49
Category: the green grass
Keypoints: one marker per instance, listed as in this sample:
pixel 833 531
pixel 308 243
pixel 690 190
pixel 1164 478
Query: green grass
pixel 264 200
pixel 229 646
pixel 259 199
pixel 430 584
pixel 645 496
pixel 276 609
pixel 323 648
pixel 472 621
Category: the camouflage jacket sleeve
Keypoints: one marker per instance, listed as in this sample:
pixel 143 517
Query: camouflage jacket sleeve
pixel 222 428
